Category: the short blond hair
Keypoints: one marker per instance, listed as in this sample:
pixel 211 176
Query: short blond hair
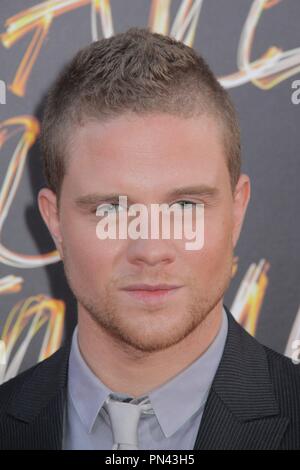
pixel 138 71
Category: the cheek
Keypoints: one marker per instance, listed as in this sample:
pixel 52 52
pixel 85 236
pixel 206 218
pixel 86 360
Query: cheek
pixel 217 249
pixel 218 229
pixel 89 260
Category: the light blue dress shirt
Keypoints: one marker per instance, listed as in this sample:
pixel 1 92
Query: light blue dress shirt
pixel 178 403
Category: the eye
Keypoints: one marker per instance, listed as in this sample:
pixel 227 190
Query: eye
pixel 107 208
pixel 184 204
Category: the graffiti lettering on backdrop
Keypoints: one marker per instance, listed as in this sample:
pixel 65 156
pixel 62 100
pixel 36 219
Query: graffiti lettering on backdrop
pixel 275 65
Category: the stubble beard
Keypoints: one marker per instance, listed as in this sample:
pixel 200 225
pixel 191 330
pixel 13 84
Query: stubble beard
pixel 150 331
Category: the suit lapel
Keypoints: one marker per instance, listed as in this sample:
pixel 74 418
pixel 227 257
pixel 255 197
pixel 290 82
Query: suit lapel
pixel 241 411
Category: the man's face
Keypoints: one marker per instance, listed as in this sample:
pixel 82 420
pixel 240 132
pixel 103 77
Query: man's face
pixel 147 158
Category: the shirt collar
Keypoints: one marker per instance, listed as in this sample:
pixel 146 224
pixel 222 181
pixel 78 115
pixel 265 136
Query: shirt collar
pixel 85 389
pixel 186 392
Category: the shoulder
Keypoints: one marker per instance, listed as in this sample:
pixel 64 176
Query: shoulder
pixel 285 379
pixel 284 373
pixel 44 377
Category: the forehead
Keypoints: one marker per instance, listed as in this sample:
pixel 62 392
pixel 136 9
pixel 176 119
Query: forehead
pixel 150 151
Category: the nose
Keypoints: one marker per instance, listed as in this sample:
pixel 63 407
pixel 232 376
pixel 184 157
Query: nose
pixel 151 251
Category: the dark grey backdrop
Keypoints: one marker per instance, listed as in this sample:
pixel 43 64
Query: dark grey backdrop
pixel 270 145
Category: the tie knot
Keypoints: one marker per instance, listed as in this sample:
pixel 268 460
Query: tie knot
pixel 124 418
pixel 143 403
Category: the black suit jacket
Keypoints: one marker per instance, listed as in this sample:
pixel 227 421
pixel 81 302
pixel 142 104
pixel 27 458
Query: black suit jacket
pixel 254 401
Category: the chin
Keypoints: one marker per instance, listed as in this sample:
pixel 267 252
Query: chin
pixel 154 335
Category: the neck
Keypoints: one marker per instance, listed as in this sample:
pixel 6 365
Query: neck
pixel 125 370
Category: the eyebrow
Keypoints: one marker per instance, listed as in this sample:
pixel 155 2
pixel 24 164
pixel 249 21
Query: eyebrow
pixel 96 198
pixel 202 190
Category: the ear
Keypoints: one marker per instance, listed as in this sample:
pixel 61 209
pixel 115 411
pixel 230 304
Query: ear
pixel 47 203
pixel 241 199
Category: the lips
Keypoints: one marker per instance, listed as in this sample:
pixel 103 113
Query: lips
pixel 151 294
pixel 151 287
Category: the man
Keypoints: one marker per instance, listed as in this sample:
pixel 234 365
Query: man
pixel 156 360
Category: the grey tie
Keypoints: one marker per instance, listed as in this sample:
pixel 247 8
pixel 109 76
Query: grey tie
pixel 124 418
